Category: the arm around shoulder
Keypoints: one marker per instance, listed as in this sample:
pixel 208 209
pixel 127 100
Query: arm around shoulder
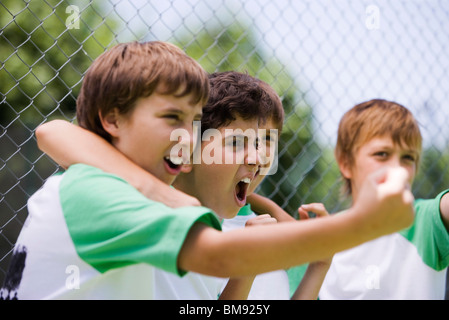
pixel 69 144
pixel 51 136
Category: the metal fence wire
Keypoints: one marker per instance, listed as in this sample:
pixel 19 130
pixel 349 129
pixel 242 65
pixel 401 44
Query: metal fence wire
pixel 321 56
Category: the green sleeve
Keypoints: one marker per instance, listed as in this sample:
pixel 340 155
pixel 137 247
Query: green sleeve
pixel 429 234
pixel 112 225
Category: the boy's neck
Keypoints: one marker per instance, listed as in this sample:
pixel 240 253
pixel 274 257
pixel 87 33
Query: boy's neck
pixel 185 182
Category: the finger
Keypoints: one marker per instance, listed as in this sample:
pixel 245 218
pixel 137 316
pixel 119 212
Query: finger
pixel 263 216
pixel 396 181
pixel 267 219
pixel 303 214
pixel 379 176
pixel 250 223
pixel 271 220
pixel 318 208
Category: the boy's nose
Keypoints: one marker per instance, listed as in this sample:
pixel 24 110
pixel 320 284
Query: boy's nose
pixel 184 142
pixel 395 161
pixel 252 157
pixel 190 136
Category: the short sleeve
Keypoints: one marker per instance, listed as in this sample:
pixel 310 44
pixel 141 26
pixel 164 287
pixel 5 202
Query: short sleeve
pixel 429 234
pixel 113 225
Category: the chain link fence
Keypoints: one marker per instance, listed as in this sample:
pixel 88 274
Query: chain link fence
pixel 321 56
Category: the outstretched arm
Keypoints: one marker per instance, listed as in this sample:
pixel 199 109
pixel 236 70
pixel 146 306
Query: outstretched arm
pixel 384 206
pixel 69 144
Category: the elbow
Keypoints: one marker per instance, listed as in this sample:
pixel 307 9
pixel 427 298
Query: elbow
pixel 47 137
pixel 41 133
pixel 45 131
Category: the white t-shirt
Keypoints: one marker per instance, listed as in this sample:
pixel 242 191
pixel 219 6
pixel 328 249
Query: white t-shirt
pixel 410 264
pixel 267 286
pixel 192 286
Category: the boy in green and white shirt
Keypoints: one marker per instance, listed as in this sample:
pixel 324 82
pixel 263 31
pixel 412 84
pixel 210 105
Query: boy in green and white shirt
pixel 87 266
pixel 409 264
pixel 90 234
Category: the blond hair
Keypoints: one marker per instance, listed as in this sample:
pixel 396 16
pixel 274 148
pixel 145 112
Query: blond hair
pixel 371 119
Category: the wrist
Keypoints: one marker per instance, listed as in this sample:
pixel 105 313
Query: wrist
pixel 360 225
pixel 149 186
pixel 322 265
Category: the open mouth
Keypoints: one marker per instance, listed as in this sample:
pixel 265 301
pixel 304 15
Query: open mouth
pixel 173 164
pixel 257 173
pixel 241 191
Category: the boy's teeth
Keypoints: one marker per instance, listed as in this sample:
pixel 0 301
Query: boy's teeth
pixel 175 160
pixel 246 180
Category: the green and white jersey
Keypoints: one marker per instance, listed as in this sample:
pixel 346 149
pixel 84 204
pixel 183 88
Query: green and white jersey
pixel 410 264
pixel 91 235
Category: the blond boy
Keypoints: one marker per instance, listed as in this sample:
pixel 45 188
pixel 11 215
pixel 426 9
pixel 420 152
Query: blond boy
pixel 409 264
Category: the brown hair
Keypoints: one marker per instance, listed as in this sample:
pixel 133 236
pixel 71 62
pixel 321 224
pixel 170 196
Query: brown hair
pixel 133 70
pixel 235 94
pixel 375 118
pixel 273 104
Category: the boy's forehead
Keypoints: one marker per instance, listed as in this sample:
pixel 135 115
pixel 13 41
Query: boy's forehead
pixel 269 123
pixel 241 123
pixel 386 141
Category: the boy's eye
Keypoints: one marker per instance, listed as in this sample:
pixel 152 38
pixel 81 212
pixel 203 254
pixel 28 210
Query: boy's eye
pixel 235 142
pixel 381 154
pixel 173 117
pixel 409 157
pixel 239 143
pixel 267 140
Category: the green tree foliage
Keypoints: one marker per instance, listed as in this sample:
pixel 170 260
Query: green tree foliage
pixel 306 171
pixel 46 46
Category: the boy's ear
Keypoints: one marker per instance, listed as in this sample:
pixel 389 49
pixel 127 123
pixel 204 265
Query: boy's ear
pixel 110 121
pixel 345 168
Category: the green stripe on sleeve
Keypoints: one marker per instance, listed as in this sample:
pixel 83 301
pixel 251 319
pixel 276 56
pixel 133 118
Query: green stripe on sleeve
pixel 113 225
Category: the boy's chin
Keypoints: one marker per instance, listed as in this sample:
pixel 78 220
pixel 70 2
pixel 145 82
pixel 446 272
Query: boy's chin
pixel 167 179
pixel 229 213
